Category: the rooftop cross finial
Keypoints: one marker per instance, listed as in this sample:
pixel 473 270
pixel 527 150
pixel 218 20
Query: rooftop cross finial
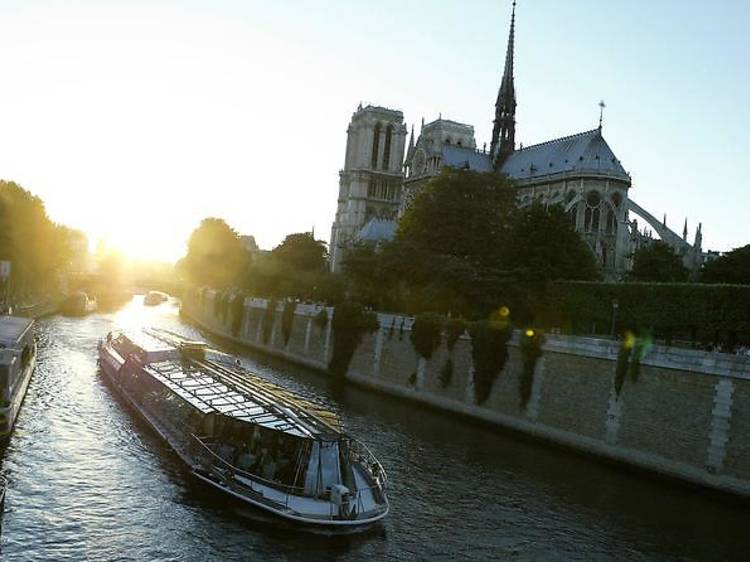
pixel 602 105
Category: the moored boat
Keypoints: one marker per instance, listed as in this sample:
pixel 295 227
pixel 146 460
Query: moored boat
pixel 245 436
pixel 79 304
pixel 17 361
pixel 154 298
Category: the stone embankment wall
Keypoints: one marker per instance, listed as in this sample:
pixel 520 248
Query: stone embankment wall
pixel 687 415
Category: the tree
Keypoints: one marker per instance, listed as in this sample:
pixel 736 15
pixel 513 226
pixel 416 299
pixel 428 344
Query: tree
pixel 546 248
pixel 732 268
pixel 302 252
pixel 215 256
pixel 658 262
pixel 39 249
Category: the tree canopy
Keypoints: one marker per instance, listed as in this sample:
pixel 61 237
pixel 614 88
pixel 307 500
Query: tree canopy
pixel 38 248
pixel 658 262
pixel 215 256
pixel 302 252
pixel 732 268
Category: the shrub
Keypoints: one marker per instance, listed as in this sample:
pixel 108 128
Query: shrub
pixel 426 333
pixel 446 373
pixel 350 322
pixel 238 312
pixel 531 350
pixel 489 351
pixel 287 319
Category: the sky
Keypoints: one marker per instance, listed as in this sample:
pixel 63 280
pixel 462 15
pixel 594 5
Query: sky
pixel 133 120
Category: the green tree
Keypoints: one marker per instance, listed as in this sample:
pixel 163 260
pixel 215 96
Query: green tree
pixel 40 250
pixel 733 268
pixel 546 248
pixel 301 252
pixel 658 262
pixel 215 256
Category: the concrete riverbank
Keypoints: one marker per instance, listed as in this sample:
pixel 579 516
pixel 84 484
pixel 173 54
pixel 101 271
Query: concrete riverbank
pixel 686 416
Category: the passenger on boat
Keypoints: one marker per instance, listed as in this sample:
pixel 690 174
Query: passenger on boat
pixel 268 466
pixel 246 461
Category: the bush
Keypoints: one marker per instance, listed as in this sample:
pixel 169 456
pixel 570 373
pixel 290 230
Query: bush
pixel 426 333
pixel 489 351
pixel 238 312
pixel 287 319
pixel 350 322
pixel 531 350
pixel 446 373
pixel 454 329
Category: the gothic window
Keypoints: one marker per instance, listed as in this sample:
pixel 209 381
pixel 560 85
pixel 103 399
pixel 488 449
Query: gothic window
pixel 593 212
pixel 604 257
pixel 610 222
pixel 387 149
pixel 375 146
pixel 574 217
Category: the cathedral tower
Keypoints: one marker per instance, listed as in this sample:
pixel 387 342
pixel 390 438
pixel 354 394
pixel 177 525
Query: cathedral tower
pixel 370 183
pixel 504 126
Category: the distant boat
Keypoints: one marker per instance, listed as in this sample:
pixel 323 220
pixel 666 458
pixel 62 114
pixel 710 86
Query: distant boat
pixel 244 436
pixel 17 361
pixel 153 298
pixel 79 304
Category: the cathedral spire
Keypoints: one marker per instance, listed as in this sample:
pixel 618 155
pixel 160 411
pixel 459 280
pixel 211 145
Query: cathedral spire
pixel 504 126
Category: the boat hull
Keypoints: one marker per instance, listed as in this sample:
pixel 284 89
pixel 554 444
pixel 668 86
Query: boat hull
pixel 9 415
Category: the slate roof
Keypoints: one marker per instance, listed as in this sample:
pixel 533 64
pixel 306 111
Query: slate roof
pixel 466 158
pixel 582 153
pixel 378 229
pixel 585 152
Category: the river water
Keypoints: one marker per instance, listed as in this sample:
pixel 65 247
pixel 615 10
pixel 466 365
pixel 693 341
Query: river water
pixel 88 481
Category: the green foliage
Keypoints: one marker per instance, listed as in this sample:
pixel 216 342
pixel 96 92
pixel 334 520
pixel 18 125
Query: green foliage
pixel 287 319
pixel 733 268
pixel 321 318
pixel 489 351
pixel 215 256
pixel 238 312
pixel 268 315
pixel 531 350
pixel 454 329
pixel 38 249
pixel 369 279
pixel 426 333
pixel 658 262
pixel 350 322
pixel 659 308
pixel 623 358
pixel 302 252
pixel 545 248
pixel 446 373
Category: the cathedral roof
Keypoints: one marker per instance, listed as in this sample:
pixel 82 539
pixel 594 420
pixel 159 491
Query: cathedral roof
pixel 377 229
pixel 585 152
pixel 466 158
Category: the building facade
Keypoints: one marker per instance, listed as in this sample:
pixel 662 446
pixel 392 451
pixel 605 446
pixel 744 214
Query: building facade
pixel 579 172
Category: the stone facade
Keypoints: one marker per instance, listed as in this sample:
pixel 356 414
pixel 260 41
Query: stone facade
pixel 370 183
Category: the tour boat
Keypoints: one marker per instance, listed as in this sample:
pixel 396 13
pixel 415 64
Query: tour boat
pixel 245 436
pixel 153 298
pixel 17 361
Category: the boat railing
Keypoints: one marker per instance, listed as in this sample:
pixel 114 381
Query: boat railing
pixel 357 495
pixel 295 490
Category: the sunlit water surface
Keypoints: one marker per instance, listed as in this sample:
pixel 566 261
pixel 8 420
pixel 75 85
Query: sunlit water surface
pixel 88 481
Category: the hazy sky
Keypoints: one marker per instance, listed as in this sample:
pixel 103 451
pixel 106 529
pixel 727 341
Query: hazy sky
pixel 134 120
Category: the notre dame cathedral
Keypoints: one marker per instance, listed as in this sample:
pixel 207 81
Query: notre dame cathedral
pixel 381 176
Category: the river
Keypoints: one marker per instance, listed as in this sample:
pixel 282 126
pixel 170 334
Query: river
pixel 90 482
